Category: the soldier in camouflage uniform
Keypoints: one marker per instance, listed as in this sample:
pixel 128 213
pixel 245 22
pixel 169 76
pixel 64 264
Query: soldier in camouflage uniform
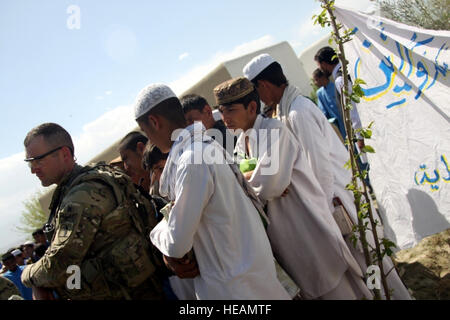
pixel 8 291
pixel 90 226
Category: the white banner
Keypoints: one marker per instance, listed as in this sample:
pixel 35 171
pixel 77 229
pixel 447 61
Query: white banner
pixel 407 96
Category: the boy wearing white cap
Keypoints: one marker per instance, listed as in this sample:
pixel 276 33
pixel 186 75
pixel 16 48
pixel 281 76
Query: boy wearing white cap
pixel 217 220
pixel 325 152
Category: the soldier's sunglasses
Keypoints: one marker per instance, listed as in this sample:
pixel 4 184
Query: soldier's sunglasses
pixel 38 159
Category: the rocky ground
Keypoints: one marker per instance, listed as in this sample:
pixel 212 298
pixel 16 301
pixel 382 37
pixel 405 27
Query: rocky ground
pixel 425 268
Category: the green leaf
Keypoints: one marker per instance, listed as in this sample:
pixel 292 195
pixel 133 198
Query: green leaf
pixel 348 165
pixel 368 149
pixel 358 90
pixel 366 133
pixel 355 98
pixel 359 81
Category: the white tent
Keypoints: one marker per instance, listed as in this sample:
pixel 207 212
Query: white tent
pixel 282 52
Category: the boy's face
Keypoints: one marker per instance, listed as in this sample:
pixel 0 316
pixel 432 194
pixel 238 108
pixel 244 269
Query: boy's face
pixel 157 170
pixel 320 81
pixel 39 238
pixel 132 161
pixel 10 264
pixel 156 133
pixel 197 115
pixel 28 250
pixel 236 116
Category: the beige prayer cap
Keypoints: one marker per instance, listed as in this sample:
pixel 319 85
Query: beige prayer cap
pixel 232 90
pixel 150 97
pixel 257 65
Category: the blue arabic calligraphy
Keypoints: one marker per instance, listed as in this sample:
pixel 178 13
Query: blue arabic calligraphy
pixel 390 71
pixel 432 181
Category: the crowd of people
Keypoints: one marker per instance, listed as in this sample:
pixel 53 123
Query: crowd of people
pixel 14 261
pixel 251 206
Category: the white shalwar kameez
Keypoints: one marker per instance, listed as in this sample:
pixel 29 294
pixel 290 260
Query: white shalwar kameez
pixel 327 156
pixel 212 215
pixel 305 242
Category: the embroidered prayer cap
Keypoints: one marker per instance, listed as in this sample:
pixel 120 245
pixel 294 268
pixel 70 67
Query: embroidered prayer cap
pixel 232 90
pixel 257 65
pixel 150 97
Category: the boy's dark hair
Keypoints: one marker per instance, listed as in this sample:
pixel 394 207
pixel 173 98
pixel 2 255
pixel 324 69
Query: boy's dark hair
pixel 245 100
pixel 152 155
pixel 38 231
pixel 273 73
pixel 130 141
pixel 7 256
pixel 319 74
pixel 193 102
pixel 327 55
pixel 54 135
pixel 169 109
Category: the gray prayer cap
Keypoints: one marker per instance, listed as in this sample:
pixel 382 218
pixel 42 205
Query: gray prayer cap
pixel 150 97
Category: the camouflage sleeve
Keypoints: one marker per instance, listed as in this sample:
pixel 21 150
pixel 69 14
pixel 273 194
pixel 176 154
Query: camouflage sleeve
pixel 7 289
pixel 77 222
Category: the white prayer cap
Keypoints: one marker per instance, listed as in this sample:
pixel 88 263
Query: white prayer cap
pixel 28 243
pixel 16 252
pixel 150 97
pixel 256 65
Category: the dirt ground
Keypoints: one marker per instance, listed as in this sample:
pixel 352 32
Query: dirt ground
pixel 425 268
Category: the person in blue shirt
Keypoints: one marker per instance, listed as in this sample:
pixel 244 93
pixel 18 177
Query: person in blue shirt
pixel 14 272
pixel 326 100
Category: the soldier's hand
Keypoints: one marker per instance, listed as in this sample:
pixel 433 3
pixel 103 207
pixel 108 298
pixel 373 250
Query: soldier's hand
pixel 182 267
pixel 42 294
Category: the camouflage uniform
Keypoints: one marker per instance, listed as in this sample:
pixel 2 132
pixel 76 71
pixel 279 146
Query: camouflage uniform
pixel 8 290
pixel 95 233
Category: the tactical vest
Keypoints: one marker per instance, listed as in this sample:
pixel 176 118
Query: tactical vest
pixel 129 259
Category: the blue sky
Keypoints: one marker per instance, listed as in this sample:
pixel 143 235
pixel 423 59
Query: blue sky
pixel 86 79
pixel 52 73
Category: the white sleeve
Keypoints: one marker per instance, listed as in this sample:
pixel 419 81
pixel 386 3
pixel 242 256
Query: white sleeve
pixel 308 124
pixel 273 171
pixel 193 189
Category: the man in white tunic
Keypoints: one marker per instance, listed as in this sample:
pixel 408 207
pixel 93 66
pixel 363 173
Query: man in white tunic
pixel 210 213
pixel 305 242
pixel 325 152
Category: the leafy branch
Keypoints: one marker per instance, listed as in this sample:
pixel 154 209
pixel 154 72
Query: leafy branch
pixel 383 246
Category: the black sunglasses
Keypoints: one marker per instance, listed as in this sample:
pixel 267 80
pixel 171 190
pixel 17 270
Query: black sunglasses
pixel 42 156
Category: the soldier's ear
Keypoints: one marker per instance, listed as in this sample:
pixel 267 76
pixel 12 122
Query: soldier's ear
pixel 67 153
